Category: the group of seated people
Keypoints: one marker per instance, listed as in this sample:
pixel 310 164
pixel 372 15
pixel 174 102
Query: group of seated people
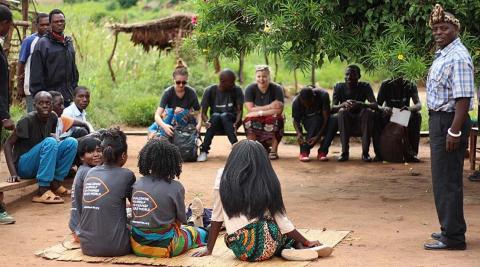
pixel 354 112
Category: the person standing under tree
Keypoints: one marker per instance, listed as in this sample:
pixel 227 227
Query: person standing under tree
pixel 450 92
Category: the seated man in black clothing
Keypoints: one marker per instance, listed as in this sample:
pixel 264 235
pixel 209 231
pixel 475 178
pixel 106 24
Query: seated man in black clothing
pixel 225 102
pixel 353 113
pixel 397 94
pixel 311 109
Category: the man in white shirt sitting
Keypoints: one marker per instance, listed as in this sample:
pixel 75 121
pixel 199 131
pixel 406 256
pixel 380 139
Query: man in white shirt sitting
pixel 76 110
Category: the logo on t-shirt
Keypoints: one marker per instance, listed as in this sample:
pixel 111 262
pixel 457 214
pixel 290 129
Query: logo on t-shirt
pixel 94 189
pixel 142 204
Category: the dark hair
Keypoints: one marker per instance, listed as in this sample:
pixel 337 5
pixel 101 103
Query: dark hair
pixel 249 185
pixel 5 13
pixel 54 12
pixel 229 73
pixel 55 94
pixel 306 93
pixel 114 144
pixel 78 89
pixel 160 159
pixel 40 16
pixel 87 145
pixel 355 68
pixel 180 69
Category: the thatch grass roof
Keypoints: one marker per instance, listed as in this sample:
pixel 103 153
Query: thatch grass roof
pixel 161 33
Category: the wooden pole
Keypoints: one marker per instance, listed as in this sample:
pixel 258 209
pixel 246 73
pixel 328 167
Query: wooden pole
pixel 24 17
pixel 216 64
pixel 111 57
pixel 240 67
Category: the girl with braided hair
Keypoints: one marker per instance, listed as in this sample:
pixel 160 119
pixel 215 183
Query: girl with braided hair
pixel 158 205
pixel 248 200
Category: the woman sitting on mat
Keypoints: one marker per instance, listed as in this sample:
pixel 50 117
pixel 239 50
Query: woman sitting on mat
pixel 248 199
pixel 103 223
pixel 264 102
pixel 158 205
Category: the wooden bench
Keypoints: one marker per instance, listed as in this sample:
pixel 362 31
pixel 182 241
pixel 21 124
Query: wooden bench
pixel 473 147
pixel 5 186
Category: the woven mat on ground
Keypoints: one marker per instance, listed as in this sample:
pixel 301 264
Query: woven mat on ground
pixel 222 256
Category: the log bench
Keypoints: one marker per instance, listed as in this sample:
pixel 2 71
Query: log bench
pixel 5 186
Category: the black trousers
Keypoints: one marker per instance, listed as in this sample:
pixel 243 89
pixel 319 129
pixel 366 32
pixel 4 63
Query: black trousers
pixel 447 177
pixel 220 123
pixel 351 123
pixel 413 129
pixel 312 126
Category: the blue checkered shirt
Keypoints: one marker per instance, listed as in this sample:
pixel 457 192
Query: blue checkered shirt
pixel 450 77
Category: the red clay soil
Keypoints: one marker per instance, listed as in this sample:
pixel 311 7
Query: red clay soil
pixel 390 212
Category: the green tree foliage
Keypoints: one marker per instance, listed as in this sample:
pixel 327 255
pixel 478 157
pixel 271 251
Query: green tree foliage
pixel 391 37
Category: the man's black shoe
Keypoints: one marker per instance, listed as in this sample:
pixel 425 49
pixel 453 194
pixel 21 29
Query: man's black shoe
pixel 439 245
pixel 414 159
pixel 436 236
pixel 343 157
pixel 474 177
pixel 366 158
pixel 377 159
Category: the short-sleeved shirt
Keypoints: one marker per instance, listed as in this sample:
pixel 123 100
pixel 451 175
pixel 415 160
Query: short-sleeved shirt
pixel 321 102
pixel 450 77
pixel 235 223
pixel 171 100
pixel 220 102
pixel 396 95
pixel 156 202
pixel 77 195
pixel 103 223
pixel 253 94
pixel 362 93
pixel 31 131
pixel 64 124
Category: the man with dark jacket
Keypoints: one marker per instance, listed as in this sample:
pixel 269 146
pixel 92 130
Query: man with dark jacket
pixel 53 65
pixel 5 121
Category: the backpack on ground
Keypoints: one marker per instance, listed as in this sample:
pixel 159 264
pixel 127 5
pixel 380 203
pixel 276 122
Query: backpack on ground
pixel 185 138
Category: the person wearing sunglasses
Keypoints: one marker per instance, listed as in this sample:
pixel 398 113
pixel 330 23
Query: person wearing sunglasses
pixel 264 102
pixel 177 101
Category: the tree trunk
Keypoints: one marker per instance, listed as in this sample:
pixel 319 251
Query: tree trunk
pixel 216 64
pixel 314 66
pixel 275 61
pixel 296 80
pixel 240 67
pixel 266 58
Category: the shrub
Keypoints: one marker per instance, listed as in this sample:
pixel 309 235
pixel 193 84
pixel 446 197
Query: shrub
pixel 127 3
pixel 140 111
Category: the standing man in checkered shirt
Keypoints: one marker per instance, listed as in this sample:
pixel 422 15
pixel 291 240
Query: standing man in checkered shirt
pixel 450 92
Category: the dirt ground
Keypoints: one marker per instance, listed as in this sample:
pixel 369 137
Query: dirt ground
pixel 390 212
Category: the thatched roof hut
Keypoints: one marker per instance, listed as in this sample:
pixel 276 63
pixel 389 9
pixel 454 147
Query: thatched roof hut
pixel 161 33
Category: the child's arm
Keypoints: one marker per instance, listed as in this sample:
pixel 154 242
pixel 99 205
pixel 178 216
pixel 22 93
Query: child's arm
pixel 302 242
pixel 212 237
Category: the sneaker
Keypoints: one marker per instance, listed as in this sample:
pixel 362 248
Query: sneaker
pixel 303 157
pixel 322 251
pixel 196 219
pixel 202 157
pixel 5 218
pixel 299 254
pixel 322 156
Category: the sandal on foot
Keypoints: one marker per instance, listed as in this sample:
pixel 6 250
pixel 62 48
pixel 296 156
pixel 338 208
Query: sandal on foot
pixel 62 191
pixel 273 155
pixel 48 198
pixel 299 254
pixel 322 251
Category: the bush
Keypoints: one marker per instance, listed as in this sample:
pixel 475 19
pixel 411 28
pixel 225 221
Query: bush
pixel 127 3
pixel 140 111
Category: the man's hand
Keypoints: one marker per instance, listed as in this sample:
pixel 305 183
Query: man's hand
pixel 314 140
pixel 202 253
pixel 207 124
pixel 452 143
pixel 310 244
pixel 300 139
pixel 387 111
pixel 8 124
pixel 178 110
pixel 20 92
pixel 168 129
pixel 13 179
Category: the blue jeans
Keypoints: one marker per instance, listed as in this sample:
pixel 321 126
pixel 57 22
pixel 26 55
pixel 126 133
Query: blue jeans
pixel 48 160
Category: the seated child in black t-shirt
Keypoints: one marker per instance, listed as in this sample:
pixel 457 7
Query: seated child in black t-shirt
pixel 158 205
pixel 103 223
pixel 90 154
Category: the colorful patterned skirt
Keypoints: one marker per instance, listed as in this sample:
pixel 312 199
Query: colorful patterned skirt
pixel 167 241
pixel 265 128
pixel 258 241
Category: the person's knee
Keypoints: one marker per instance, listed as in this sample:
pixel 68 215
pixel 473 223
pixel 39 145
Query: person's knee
pixel 49 142
pixel 70 142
